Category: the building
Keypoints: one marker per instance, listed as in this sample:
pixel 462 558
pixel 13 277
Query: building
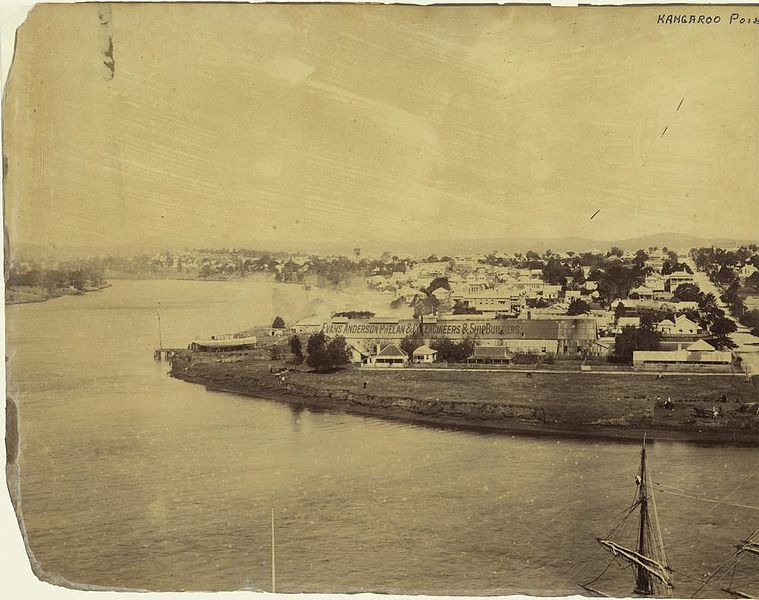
pixel 678 278
pixel 551 292
pixel 642 293
pixel 655 283
pixel 628 321
pixel 746 271
pixel 391 355
pixel 681 325
pixel 699 355
pixel 498 300
pixel 424 355
pixel 357 356
pixel 560 336
pixel 307 326
pixel 489 355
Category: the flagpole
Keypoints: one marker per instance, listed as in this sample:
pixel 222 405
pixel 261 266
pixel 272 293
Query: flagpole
pixel 273 556
pixel 160 337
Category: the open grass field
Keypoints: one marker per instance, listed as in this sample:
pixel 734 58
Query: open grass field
pixel 565 399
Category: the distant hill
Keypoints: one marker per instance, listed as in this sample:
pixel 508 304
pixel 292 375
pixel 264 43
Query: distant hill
pixel 451 247
pixel 674 241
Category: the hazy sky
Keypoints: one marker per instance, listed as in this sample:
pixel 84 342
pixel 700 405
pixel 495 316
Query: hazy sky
pixel 242 125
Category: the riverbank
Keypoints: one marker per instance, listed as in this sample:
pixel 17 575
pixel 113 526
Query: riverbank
pixel 29 294
pixel 602 405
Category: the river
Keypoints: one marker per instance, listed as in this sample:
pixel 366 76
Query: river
pixel 132 479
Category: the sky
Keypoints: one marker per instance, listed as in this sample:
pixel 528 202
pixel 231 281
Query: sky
pixel 242 125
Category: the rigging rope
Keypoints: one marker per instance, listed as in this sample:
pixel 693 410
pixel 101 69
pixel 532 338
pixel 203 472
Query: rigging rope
pixel 710 500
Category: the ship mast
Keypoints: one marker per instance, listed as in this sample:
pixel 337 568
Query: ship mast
pixel 643 584
pixel 648 559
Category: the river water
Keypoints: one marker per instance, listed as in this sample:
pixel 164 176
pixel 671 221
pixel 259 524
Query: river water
pixel 132 479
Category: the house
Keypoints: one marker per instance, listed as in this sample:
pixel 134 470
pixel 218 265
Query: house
pixel 490 355
pixel 678 278
pixel 501 299
pixel 391 355
pixel 551 292
pixel 655 283
pixel 570 295
pixel 746 271
pixel 628 321
pixel 424 355
pixel 357 356
pixel 642 293
pixel 308 325
pixel 665 326
pixel 698 355
pixel 682 325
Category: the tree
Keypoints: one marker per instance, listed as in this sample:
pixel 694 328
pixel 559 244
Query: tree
pixel 279 323
pixel 619 311
pixel 337 352
pixel 297 349
pixel 641 256
pixel 450 351
pixel 617 281
pixel 578 307
pixel 355 314
pixel 615 251
pixel 411 342
pixel 634 338
pixel 425 306
pixel 719 333
pixel 555 272
pixel 438 282
pixel 751 320
pixel 317 352
pixel 687 292
pixel 326 356
pixel 726 275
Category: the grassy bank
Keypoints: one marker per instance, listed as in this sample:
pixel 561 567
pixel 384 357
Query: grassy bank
pixel 25 294
pixel 579 404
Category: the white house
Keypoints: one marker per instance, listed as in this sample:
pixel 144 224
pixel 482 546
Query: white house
pixel 642 293
pixel 678 278
pixel 424 355
pixel 682 325
pixel 391 355
pixel 746 271
pixel 628 321
pixel 551 292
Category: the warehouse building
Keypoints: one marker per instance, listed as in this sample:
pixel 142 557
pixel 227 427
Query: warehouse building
pixel 561 336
